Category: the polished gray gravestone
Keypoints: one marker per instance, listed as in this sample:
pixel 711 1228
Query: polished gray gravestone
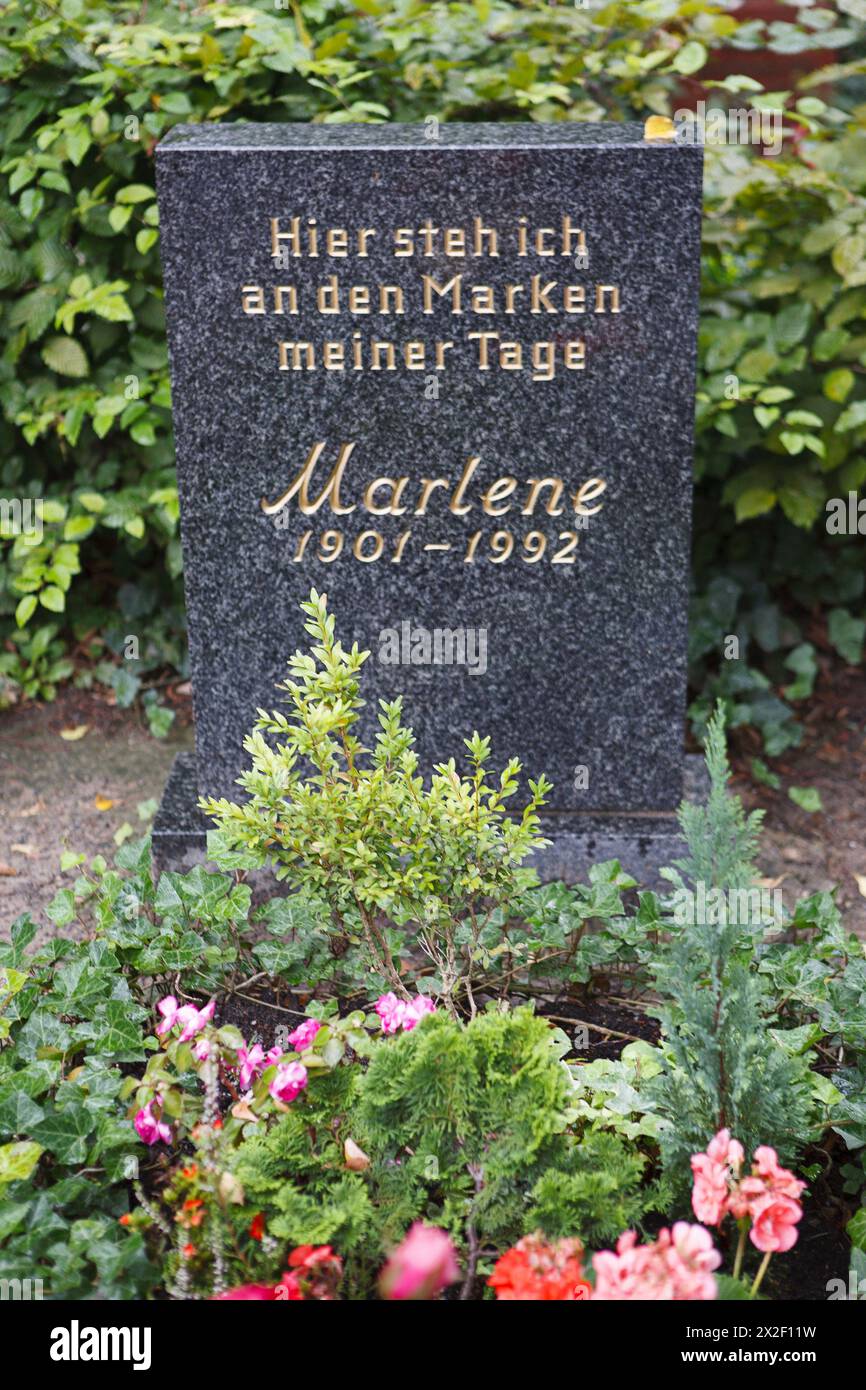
pixel 444 373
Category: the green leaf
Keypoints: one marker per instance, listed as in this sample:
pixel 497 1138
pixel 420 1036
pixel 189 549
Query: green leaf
pixel 846 634
pixel 856 1229
pixel 144 239
pixel 77 527
pixel 25 610
pixel 18 1160
pixel 66 356
pixel 849 258
pixel 52 598
pixel 837 385
pixel 65 1132
pixel 807 798
pixel 92 501
pixel 754 502
pixel 118 218
pixel 852 418
pixel 135 193
pixel 690 57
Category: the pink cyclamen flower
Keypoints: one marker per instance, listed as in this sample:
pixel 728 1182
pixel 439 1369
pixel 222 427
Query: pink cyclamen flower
pixel 423 1264
pixel 201 1051
pixel 250 1063
pixel 774 1223
pixel 303 1035
pixel 168 1007
pixel 676 1267
pixel 192 1020
pixel 399 1013
pixel 149 1129
pixel 288 1082
pixel 254 1060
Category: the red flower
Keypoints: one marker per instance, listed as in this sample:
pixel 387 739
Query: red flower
pixel 315 1272
pixel 257 1226
pixel 537 1270
pixel 124 1219
pixel 188 1251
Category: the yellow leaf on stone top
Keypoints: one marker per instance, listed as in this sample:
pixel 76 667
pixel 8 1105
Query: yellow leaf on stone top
pixel 73 735
pixel 659 128
pixel 102 803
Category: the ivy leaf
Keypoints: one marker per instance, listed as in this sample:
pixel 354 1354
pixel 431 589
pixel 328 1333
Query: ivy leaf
pixel 846 634
pixel 65 1132
pixel 18 1160
pixel 19 1113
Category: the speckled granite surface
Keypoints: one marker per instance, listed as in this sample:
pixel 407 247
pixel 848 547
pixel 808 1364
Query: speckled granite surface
pixel 584 663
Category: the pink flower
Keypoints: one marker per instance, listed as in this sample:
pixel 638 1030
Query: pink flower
pixel 398 1013
pixel 168 1007
pixel 192 1020
pixel 725 1150
pixel 710 1190
pixel 715 1174
pixel 677 1267
pixel 303 1036
pixel 149 1129
pixel 698 1257
pixel 201 1051
pixel 250 1062
pixel 288 1082
pixel 780 1181
pixel 767 1196
pixel 415 1011
pixel 253 1061
pixel 391 1011
pixel 774 1223
pixel 423 1264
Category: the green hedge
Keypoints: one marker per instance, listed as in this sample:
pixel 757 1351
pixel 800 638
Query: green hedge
pixel 89 88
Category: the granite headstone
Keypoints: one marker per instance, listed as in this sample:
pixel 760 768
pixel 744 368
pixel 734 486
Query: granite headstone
pixel 444 373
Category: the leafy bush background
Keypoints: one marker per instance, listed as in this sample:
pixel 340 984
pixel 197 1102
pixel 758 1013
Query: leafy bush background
pixel 89 87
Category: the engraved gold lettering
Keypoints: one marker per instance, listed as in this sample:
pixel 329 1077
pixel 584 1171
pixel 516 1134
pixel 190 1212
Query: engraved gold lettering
pixel 253 299
pixel 497 492
pixel 587 492
pixel 551 506
pixel 392 508
pixel 300 486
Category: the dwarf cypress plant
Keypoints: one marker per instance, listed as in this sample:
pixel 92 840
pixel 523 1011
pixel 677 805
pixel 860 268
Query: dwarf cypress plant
pixel 463 1126
pixel 723 1067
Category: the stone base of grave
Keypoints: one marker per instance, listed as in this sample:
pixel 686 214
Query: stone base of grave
pixel 642 841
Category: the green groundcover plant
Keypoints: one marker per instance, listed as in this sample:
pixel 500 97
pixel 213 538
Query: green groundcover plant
pixel 87 88
pixel 395 1136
